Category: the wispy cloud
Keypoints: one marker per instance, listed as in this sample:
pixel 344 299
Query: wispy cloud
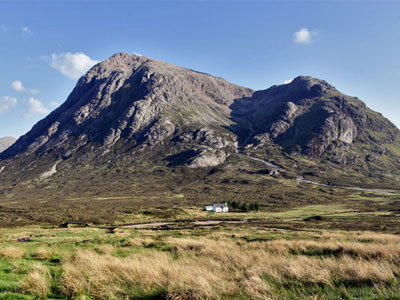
pixel 3 28
pixel 73 65
pixel 19 87
pixel 303 36
pixel 26 30
pixel 35 108
pixel 6 103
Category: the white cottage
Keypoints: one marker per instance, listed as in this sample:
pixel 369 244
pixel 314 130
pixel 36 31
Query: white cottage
pixel 208 207
pixel 217 207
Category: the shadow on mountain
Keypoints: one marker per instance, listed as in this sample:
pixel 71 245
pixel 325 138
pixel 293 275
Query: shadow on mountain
pixel 181 158
pixel 242 125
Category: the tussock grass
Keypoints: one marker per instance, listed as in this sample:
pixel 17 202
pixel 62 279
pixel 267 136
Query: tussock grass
pixel 105 249
pixel 203 263
pixel 41 253
pixel 12 252
pixel 374 237
pixel 390 252
pixel 139 242
pixel 38 281
pixel 224 269
pixel 105 276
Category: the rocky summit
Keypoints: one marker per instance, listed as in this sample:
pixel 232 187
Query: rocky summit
pixel 136 100
pixel 141 119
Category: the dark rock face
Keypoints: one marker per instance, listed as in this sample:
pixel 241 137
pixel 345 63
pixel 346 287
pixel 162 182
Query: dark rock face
pixel 200 120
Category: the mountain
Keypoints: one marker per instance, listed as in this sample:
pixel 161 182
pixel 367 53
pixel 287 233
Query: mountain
pixel 141 101
pixel 6 142
pixel 138 126
pixel 312 118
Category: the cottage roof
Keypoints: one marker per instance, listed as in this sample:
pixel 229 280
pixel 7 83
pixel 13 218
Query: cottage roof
pixel 221 205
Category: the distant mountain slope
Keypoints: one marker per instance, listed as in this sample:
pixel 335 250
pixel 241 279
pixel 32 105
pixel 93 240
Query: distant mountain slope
pixel 135 124
pixel 310 117
pixel 6 142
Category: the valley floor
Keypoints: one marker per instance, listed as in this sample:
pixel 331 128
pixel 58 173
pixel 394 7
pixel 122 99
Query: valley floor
pixel 199 260
pixel 343 246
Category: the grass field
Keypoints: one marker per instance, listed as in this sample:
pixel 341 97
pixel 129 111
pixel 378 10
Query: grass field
pixel 240 260
pixel 306 241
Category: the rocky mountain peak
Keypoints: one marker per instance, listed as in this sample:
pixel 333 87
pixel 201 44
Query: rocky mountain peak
pixel 183 117
pixel 299 88
pixel 139 100
pixel 308 86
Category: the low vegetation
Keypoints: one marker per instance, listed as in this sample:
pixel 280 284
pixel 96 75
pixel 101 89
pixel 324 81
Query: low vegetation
pixel 219 262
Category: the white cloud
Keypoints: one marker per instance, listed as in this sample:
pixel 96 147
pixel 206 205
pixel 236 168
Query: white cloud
pixel 19 87
pixel 35 108
pixel 73 65
pixel 6 103
pixel 303 36
pixel 3 28
pixel 138 54
pixel 26 30
pixel 288 81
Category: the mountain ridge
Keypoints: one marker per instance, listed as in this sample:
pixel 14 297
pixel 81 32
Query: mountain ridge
pixel 138 126
pixel 145 69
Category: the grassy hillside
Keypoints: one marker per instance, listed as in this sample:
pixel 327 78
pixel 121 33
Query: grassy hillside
pixel 113 188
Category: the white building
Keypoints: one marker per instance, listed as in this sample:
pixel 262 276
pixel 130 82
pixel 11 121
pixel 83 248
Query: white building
pixel 208 207
pixel 217 207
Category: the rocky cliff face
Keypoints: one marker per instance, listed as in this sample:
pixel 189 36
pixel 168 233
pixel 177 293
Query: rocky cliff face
pixel 6 142
pixel 311 116
pixel 178 116
pixel 143 101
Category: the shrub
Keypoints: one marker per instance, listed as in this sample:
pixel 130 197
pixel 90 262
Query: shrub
pixel 244 206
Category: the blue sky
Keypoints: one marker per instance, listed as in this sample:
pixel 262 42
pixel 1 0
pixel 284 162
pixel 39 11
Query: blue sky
pixel 46 45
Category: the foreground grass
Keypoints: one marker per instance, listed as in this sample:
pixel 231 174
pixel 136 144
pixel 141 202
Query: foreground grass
pixel 206 263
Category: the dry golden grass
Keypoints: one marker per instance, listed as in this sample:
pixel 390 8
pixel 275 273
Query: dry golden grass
pixel 105 249
pixel 388 251
pixel 12 252
pixel 38 281
pixel 224 269
pixel 140 241
pixel 375 237
pixel 41 253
